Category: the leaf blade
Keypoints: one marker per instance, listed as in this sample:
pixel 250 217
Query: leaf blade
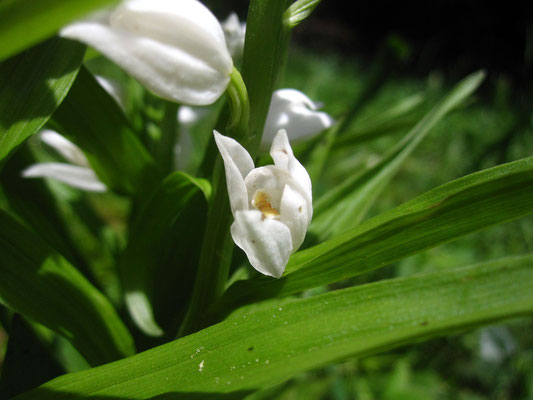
pixel 40 284
pixel 93 120
pixel 345 206
pixel 33 85
pixel 24 23
pixel 140 263
pixel 239 355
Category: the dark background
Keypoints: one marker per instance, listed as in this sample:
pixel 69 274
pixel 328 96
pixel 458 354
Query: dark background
pixel 453 36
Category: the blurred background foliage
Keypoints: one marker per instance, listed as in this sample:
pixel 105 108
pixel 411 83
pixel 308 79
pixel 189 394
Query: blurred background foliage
pixel 377 56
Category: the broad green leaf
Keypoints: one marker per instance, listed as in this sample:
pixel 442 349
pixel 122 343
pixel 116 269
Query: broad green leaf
pixel 345 206
pixel 463 206
pixel 24 23
pixel 269 343
pixel 40 284
pixel 169 253
pixel 93 120
pixel 32 85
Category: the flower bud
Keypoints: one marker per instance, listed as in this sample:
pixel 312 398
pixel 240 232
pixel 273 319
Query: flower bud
pixel 175 48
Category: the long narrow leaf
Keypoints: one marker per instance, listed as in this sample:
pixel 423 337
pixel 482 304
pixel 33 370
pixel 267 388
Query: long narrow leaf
pixel 345 206
pixel 270 343
pixel 27 22
pixel 40 284
pixel 31 200
pixel 32 85
pixel 167 250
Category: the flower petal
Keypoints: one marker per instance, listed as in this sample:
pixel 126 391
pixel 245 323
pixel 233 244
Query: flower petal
pixel 73 175
pixel 65 147
pixel 293 111
pixel 237 164
pixel 295 214
pixel 283 157
pixel 184 24
pixel 235 33
pixel 266 242
pixel 172 72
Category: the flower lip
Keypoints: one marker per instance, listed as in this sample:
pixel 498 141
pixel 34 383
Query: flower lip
pixel 263 202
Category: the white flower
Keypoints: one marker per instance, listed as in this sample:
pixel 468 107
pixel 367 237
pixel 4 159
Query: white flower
pixel 234 31
pixel 293 111
pixel 77 174
pixel 272 205
pixel 174 48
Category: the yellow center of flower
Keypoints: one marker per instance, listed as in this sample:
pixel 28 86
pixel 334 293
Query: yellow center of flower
pixel 261 201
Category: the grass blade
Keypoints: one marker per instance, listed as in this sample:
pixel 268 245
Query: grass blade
pixel 345 206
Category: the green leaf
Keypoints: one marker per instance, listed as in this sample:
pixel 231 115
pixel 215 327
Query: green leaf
pixel 345 206
pixel 272 342
pixel 32 85
pixel 40 284
pixel 169 251
pixel 25 347
pixel 24 23
pixel 34 203
pixel 400 115
pixel 298 11
pixel 93 120
pixel 463 206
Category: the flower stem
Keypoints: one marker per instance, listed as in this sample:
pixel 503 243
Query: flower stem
pixel 239 106
pixel 217 247
pixel 264 52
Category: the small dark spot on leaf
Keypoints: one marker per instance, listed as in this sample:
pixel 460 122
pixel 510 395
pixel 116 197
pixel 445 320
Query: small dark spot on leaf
pixel 424 323
pixel 300 209
pixel 284 151
pixel 250 348
pixel 253 241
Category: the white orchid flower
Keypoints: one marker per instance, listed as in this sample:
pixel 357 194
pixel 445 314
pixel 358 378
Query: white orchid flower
pixel 174 48
pixel 235 32
pixel 272 205
pixel 293 111
pixel 78 174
